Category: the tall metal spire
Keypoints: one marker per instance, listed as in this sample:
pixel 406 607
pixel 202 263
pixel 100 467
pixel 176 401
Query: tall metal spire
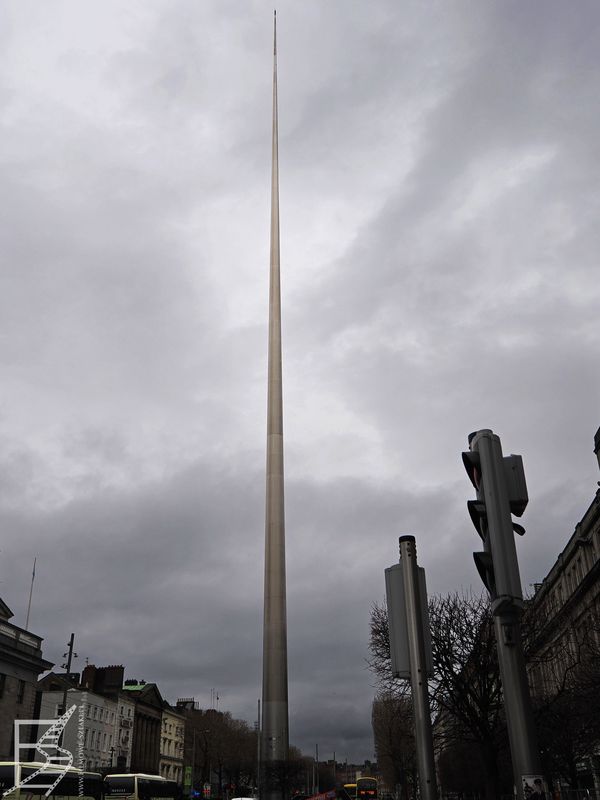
pixel 275 737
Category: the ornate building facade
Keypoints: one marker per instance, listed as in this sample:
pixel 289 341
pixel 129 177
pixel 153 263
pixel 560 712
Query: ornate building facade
pixel 565 611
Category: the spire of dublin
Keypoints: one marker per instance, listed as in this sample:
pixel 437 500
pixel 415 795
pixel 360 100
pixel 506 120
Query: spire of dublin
pixel 274 729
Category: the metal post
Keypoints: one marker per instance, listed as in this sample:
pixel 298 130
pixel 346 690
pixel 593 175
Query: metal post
pixel 418 669
pixel 507 602
pixel 258 735
pixel 275 712
pixel 30 595
pixel 317 762
pixel 517 703
pixel 69 655
pixel 334 772
pixel 193 758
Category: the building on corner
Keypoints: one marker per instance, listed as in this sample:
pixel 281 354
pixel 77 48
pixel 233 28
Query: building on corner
pixel 566 608
pixel 21 663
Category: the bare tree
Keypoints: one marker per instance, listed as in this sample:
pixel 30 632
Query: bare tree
pixel 285 777
pixel 564 660
pixel 465 692
pixel 393 732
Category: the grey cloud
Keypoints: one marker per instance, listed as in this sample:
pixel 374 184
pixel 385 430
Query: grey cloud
pixel 439 204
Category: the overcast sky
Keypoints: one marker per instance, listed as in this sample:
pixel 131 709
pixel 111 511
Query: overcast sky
pixel 440 173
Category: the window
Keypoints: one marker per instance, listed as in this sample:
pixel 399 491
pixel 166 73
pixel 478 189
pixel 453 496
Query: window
pixel 21 692
pixel 2 683
pixel 85 737
pixel 95 713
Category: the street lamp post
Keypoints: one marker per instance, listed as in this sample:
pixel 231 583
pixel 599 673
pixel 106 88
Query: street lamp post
pixel 193 756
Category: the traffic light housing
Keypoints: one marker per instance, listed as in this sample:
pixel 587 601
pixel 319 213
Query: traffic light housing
pixel 501 489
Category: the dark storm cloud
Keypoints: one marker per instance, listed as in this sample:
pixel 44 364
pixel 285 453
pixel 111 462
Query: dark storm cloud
pixel 439 200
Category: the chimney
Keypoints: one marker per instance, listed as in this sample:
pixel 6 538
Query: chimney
pixel 597 445
pixel 88 677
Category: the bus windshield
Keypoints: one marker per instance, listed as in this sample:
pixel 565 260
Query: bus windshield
pixel 366 789
pixel 120 785
pixel 141 787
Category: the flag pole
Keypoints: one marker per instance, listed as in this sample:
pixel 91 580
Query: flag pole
pixel 30 595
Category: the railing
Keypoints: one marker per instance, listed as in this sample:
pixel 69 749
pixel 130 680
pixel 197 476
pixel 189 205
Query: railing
pixel 20 637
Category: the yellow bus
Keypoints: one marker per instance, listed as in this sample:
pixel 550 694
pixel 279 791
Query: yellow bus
pixel 366 789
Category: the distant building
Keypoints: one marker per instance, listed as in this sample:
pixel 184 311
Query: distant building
pixel 100 721
pixel 21 663
pixel 107 714
pixel 108 681
pixel 147 729
pixel 124 734
pixel 568 603
pixel 171 744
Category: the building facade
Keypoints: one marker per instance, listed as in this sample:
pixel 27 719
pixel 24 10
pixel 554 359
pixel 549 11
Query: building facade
pixel 108 682
pixel 145 755
pixel 565 611
pixel 124 734
pixel 98 717
pixel 106 720
pixel 21 663
pixel 171 744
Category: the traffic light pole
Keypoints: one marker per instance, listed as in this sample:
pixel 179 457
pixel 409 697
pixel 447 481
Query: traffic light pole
pixel 418 669
pixel 522 735
pixel 501 491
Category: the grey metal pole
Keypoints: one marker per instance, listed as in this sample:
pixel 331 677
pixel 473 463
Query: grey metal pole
pixel 258 735
pixel 517 703
pixel 275 727
pixel 69 655
pixel 193 757
pixel 507 605
pixel 418 669
pixel 30 595
pixel 334 770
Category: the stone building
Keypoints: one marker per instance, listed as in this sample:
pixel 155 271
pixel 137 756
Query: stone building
pixel 98 718
pixel 21 663
pixel 124 740
pixel 107 715
pixel 147 728
pixel 108 682
pixel 566 610
pixel 171 744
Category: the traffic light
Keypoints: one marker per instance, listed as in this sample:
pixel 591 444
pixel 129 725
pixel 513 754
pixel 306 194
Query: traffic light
pixel 501 489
